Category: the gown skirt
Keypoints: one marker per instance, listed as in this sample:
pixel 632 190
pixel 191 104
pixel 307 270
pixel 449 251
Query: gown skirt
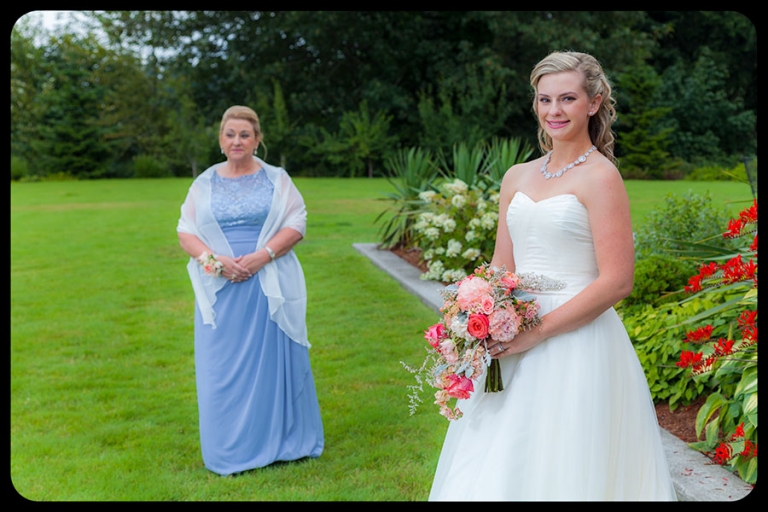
pixel 575 420
pixel 256 393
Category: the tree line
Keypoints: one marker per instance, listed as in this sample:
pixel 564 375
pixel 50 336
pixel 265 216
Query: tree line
pixel 141 93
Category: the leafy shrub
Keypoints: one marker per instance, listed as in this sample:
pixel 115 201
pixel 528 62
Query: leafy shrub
pixel 657 278
pixel 718 173
pixel 147 166
pixel 680 222
pixel 19 168
pixel 658 336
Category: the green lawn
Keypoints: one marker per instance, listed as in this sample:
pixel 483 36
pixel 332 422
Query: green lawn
pixel 103 403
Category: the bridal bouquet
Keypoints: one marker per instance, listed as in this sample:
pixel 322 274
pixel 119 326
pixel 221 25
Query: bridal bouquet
pixel 488 304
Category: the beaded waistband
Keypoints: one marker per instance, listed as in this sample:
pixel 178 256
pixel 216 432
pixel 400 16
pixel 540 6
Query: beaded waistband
pixel 539 282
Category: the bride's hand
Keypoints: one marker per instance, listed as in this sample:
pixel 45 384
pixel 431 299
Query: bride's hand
pixel 524 340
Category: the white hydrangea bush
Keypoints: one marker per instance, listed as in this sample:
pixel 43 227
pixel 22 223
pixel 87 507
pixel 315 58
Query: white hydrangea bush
pixel 456 231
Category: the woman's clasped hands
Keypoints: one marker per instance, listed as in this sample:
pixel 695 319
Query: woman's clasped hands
pixel 238 269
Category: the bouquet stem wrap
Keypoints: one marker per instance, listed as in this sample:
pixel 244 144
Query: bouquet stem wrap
pixel 493 383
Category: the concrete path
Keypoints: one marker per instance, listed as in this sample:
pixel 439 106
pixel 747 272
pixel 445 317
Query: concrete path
pixel 694 475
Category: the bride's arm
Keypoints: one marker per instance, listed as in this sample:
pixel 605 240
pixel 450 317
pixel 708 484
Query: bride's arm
pixel 502 252
pixel 607 204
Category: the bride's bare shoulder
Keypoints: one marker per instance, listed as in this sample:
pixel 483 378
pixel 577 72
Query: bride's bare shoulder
pixel 515 173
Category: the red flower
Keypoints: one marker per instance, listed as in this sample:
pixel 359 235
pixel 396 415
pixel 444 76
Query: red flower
pixel 734 228
pixel 723 347
pixel 736 270
pixel 700 334
pixel 749 214
pixel 688 358
pixel 750 449
pixel 739 432
pixel 748 327
pixel 747 318
pixel 753 247
pixel 722 453
pixel 694 284
pixel 708 270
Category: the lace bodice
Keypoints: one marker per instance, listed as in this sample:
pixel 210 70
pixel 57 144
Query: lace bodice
pixel 241 201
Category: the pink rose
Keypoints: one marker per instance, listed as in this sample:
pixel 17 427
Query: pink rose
pixel 472 291
pixel 486 304
pixel 435 334
pixel 477 325
pixel 459 387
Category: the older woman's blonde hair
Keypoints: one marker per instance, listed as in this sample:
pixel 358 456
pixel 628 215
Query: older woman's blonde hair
pixel 245 114
pixel 594 82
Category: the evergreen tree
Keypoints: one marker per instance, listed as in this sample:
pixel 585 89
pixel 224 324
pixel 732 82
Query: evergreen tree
pixel 642 143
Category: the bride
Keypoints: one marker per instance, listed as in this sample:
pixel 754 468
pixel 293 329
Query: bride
pixel 575 420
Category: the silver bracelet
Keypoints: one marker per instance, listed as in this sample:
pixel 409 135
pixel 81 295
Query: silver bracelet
pixel 270 252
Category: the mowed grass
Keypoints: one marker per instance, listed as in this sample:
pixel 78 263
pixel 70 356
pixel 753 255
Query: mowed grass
pixel 103 403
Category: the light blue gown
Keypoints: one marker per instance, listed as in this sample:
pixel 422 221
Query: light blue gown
pixel 256 393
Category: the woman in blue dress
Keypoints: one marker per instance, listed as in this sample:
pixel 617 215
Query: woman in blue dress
pixel 239 223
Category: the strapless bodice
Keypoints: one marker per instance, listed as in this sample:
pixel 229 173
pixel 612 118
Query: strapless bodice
pixel 552 237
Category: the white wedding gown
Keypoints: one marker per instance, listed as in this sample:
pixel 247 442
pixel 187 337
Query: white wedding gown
pixel 575 420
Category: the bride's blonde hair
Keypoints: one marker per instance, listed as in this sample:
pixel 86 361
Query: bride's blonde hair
pixel 595 82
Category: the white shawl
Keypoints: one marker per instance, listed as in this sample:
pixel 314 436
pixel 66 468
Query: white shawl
pixel 281 280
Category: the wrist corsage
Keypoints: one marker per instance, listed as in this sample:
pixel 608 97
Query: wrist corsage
pixel 211 266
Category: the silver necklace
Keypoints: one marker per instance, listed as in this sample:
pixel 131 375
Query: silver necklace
pixel 580 160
